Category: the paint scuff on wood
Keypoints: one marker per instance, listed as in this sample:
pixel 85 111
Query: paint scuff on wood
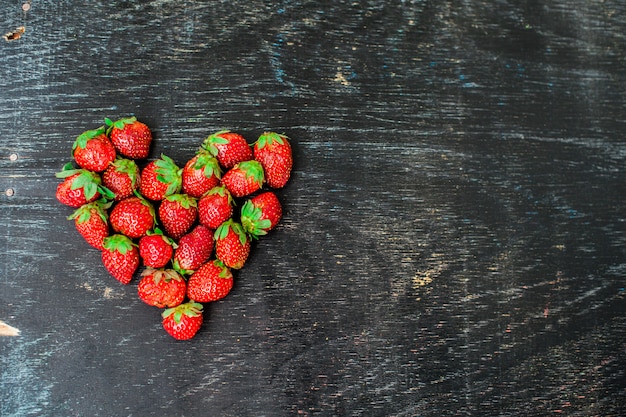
pixel 15 35
pixel 6 330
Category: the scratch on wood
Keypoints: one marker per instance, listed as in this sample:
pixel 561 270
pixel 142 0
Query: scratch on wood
pixel 423 279
pixel 6 330
pixel 108 293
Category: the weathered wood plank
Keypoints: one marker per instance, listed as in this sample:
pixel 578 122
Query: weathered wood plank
pixel 453 235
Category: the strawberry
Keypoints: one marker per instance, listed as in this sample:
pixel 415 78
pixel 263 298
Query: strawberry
pixel 193 250
pixel 156 249
pixel 93 150
pixel 133 217
pixel 130 137
pixel 228 147
pixel 273 151
pixel 232 245
pixel 215 207
pixel 92 222
pixel 122 178
pixel 178 212
pixel 183 321
pixel 260 214
pixel 160 178
pixel 79 186
pixel 120 257
pixel 161 288
pixel 200 174
pixel 211 282
pixel 244 178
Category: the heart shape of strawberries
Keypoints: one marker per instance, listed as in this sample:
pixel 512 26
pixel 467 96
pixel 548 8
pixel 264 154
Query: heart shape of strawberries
pixel 188 226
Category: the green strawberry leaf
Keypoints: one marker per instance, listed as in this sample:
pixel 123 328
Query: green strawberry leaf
pixel 128 167
pixel 119 243
pixel 88 181
pixel 224 270
pixel 106 192
pixel 184 200
pixel 119 124
pixel 222 231
pixel 209 165
pixel 210 142
pixel 67 171
pixel 83 138
pixel 169 173
pixel 252 221
pixel 90 190
pixel 269 138
pixel 189 309
pixel 253 169
pixel 84 213
pixel 238 230
pixel 177 268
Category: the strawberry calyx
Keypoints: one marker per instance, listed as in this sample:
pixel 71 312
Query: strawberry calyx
pixel 189 309
pixel 169 173
pixel 128 167
pixel 252 169
pixel 119 243
pixel 252 220
pixel 146 203
pixel 269 138
pixel 224 270
pixel 158 232
pixel 89 181
pixel 83 138
pixel 165 275
pixel 184 272
pixel 208 164
pixel 98 207
pixel 184 200
pixel 222 191
pixel 211 142
pixel 222 231
pixel 119 124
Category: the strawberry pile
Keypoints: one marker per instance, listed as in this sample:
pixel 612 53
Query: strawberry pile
pixel 188 228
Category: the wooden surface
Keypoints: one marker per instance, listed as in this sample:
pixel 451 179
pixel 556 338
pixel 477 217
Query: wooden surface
pixel 454 232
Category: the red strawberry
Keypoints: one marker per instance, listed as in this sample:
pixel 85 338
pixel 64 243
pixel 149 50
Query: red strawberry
pixel 215 207
pixel 273 151
pixel 228 147
pixel 162 288
pixel 133 217
pixel 160 178
pixel 183 321
pixel 193 250
pixel 178 212
pixel 260 214
pixel 232 245
pixel 120 257
pixel 244 178
pixel 79 187
pixel 155 249
pixel 211 282
pixel 92 222
pixel 200 174
pixel 130 137
pixel 93 150
pixel 122 178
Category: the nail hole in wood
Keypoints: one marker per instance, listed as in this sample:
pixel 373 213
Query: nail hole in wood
pixel 13 157
pixel 9 192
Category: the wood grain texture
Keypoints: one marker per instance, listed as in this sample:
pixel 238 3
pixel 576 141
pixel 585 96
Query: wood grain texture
pixel 453 234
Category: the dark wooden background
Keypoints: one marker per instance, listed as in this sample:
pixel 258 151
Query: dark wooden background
pixel 453 242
